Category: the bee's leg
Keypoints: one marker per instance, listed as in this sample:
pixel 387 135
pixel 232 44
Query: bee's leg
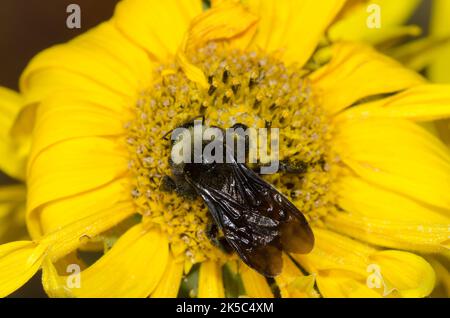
pixel 285 166
pixel 298 166
pixel 212 232
pixel 190 123
pixel 239 125
pixel 185 190
pixel 178 185
pixel 293 166
pixel 243 129
pixel 167 184
pixel 273 286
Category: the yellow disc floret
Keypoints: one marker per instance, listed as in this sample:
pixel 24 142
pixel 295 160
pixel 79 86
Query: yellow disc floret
pixel 249 88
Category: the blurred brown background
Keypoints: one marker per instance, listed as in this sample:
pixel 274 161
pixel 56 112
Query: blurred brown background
pixel 26 28
pixel 29 26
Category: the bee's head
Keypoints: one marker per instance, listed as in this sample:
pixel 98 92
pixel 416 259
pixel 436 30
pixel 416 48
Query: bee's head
pixel 190 144
pixel 182 143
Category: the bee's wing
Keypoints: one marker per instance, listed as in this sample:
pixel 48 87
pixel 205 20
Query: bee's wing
pixel 257 220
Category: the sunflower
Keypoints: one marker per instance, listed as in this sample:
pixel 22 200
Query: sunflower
pixel 438 72
pixel 394 16
pixel 375 190
pixel 439 67
pixel 12 165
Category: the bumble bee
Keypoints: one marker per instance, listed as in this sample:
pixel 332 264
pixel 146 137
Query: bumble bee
pixel 256 220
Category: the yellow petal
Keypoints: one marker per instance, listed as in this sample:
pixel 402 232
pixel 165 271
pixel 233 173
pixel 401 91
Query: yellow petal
pixel 386 218
pixel 12 213
pixel 10 102
pixel 170 284
pixel 60 213
pixel 100 59
pixel 418 54
pixel 420 103
pixel 293 284
pixel 19 261
pixel 132 268
pixel 334 251
pixel 387 39
pixel 439 70
pixel 54 285
pixel 57 214
pixel 347 268
pixel 74 166
pixel 357 71
pixel 12 193
pixel 71 115
pixel 254 283
pixel 68 238
pixel 192 72
pixel 293 28
pixel 101 66
pixel 13 153
pixel 222 22
pixel 397 155
pixel 338 284
pixel 409 274
pixel 353 23
pixel 442 288
pixel 412 236
pixel 157 26
pixel 210 284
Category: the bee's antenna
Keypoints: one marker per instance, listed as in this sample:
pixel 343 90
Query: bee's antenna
pixel 167 134
pixel 185 124
pixel 199 116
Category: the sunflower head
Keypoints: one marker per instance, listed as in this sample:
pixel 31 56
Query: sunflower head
pixel 372 181
pixel 249 88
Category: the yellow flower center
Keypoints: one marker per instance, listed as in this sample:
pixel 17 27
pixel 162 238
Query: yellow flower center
pixel 250 88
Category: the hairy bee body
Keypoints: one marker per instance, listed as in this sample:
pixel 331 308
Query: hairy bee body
pixel 257 221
